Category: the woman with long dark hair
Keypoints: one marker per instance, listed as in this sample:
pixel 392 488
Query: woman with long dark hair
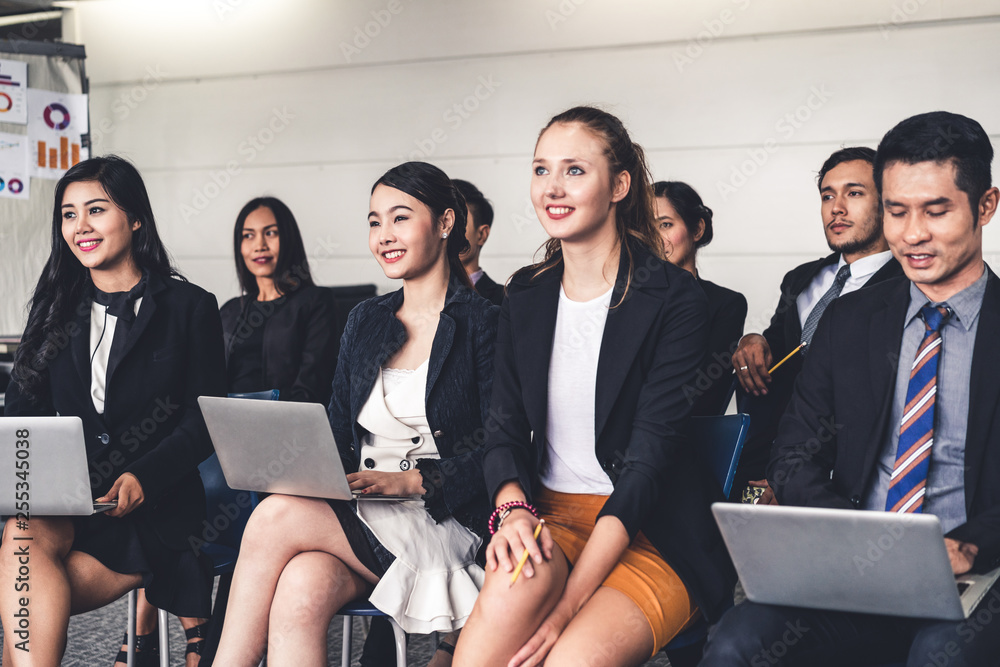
pixel 408 412
pixel 594 347
pixel 685 224
pixel 117 338
pixel 280 332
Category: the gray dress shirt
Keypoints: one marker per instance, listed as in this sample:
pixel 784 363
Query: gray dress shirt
pixel 945 496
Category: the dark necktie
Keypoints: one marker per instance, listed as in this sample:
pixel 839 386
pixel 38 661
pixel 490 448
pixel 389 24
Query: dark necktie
pixel 122 306
pixel 817 312
pixel 916 429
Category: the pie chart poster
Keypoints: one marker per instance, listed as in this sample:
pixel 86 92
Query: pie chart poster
pixel 56 125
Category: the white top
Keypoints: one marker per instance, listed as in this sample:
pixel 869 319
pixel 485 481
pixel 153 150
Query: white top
pixel 102 333
pixel 571 460
pixel 861 271
pixel 434 581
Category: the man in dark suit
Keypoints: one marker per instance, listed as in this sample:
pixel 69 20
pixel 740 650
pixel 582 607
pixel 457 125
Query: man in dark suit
pixel 852 222
pixel 480 221
pixel 906 371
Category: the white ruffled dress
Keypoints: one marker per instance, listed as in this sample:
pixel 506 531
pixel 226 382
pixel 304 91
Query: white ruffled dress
pixel 434 581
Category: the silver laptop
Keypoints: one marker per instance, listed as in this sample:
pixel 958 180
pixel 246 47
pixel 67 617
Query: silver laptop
pixel 46 468
pixel 847 560
pixel 278 447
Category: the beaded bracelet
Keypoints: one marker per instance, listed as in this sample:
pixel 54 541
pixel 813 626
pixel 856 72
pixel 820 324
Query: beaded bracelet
pixel 500 513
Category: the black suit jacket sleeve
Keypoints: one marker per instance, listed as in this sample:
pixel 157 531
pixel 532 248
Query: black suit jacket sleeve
pixel 662 412
pixel 446 479
pixel 805 450
pixel 775 332
pixel 725 329
pixel 315 371
pixel 180 452
pixel 509 452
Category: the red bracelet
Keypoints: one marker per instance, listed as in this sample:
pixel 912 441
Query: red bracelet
pixel 500 513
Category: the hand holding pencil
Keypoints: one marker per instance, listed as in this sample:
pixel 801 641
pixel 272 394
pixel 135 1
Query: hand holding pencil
pixel 524 556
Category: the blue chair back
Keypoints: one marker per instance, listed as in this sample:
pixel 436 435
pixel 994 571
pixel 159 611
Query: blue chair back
pixel 226 510
pixel 719 442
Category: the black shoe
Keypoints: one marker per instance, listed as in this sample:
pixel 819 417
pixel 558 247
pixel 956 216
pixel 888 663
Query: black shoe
pixel 147 650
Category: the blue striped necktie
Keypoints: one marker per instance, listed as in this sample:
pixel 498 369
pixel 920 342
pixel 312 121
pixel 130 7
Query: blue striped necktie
pixel 916 429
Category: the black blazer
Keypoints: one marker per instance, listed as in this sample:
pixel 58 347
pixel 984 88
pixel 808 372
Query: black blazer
pixel 459 379
pixel 838 419
pixel 783 335
pixel 489 289
pixel 727 312
pixel 300 346
pixel 151 426
pixel 653 343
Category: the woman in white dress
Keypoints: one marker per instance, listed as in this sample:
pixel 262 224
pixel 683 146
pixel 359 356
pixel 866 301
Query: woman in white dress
pixel 409 413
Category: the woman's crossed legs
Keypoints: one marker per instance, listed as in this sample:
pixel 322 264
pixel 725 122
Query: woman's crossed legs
pixel 295 570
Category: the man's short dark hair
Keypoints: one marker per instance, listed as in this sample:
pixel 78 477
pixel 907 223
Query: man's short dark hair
pixel 482 210
pixel 940 136
pixel 849 154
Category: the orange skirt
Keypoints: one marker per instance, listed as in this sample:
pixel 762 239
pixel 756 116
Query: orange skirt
pixel 641 574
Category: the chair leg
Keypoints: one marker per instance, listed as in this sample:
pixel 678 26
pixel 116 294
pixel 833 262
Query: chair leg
pixel 400 642
pixel 130 646
pixel 345 655
pixel 164 618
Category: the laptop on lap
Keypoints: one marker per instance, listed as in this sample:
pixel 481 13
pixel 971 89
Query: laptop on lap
pixel 278 447
pixel 848 560
pixel 45 468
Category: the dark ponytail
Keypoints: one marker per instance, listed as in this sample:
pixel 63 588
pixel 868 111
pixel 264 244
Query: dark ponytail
pixel 689 206
pixel 432 187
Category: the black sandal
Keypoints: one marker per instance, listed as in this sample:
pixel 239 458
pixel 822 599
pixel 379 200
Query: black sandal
pixel 147 650
pixel 196 632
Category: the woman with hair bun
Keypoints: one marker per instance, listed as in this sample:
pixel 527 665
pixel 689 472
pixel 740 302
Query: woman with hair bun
pixel 595 345
pixel 685 224
pixel 410 399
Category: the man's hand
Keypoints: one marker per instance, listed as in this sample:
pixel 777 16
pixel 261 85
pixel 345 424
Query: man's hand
pixel 766 498
pixel 961 554
pixel 751 361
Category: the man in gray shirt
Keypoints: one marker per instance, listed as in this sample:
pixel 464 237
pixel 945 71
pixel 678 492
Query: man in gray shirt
pixel 897 408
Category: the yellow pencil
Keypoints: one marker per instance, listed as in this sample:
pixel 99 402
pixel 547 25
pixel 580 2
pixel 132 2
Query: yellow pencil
pixel 524 556
pixel 787 357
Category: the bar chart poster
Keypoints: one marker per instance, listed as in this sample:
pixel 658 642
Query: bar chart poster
pixel 56 125
pixel 14 181
pixel 13 84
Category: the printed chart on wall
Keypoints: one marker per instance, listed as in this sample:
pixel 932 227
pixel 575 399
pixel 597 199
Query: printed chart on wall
pixel 14 181
pixel 56 125
pixel 13 83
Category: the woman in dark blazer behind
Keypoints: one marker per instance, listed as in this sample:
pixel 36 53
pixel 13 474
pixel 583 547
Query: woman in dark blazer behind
pixel 409 411
pixel 280 333
pixel 594 346
pixel 685 224
pixel 116 338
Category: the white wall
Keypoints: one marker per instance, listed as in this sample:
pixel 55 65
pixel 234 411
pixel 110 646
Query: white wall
pixel 183 87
